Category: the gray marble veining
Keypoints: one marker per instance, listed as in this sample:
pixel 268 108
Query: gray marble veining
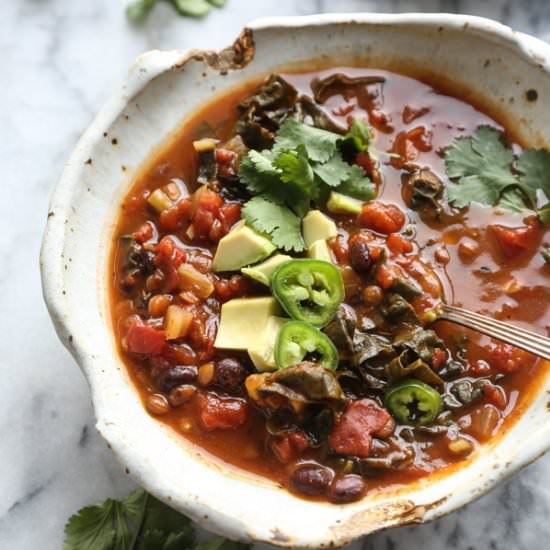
pixel 60 60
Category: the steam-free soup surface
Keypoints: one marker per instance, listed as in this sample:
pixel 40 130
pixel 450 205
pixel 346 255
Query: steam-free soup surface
pixel 427 395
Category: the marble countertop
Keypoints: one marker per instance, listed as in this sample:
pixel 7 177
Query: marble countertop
pixel 61 60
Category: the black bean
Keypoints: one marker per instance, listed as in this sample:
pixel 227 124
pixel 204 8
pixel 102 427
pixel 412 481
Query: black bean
pixel 311 480
pixel 229 374
pixel 359 255
pixel 347 488
pixel 175 376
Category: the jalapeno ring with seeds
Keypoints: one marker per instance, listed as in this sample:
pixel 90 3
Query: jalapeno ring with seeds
pixel 308 290
pixel 297 342
pixel 413 402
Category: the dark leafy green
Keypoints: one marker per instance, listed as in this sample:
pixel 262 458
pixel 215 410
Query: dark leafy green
pixel 420 341
pixel 402 367
pixel 306 383
pixel 425 193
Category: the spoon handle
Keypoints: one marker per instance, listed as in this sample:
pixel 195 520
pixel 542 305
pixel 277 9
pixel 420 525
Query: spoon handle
pixel 521 338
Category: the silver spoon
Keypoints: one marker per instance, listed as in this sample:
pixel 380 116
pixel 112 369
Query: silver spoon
pixel 518 337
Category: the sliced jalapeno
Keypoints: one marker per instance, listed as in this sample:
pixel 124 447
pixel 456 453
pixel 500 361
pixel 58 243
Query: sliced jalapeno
pixel 297 342
pixel 309 290
pixel 413 402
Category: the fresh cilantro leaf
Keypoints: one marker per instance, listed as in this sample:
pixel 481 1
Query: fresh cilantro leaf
pixel 297 188
pixel 334 171
pixel 192 8
pixel 184 539
pixel 152 540
pixel 294 167
pixel 138 10
pixel 137 522
pixel 545 253
pixel 534 173
pixel 358 185
pixel 122 536
pixel 544 214
pixel 319 144
pixel 358 136
pixel 512 200
pixel 221 544
pixel 135 504
pixel 482 164
pixel 257 171
pixel 92 528
pixel 163 518
pixel 276 220
pixel 156 539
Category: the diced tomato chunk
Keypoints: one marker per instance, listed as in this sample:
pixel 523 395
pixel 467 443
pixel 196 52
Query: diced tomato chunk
pixel 203 221
pixel 398 244
pixel 221 413
pixel 210 201
pixel 352 434
pixel 142 338
pixel 366 162
pixel 168 258
pixel 382 218
pixel 512 241
pixel 289 446
pixel 237 286
pixel 144 233
pixel 494 395
pixel 340 248
pixel 386 275
pixel 506 358
pixel 175 217
pixel 226 163
pixel 439 357
pixel 230 213
pixel 411 113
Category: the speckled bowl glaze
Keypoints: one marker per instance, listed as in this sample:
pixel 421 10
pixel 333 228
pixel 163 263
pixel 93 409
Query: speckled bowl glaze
pixel 490 62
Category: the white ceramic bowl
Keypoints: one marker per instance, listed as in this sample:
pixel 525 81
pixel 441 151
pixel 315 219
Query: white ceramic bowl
pixel 487 60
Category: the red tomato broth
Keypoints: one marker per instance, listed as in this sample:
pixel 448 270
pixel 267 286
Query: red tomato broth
pixel 472 277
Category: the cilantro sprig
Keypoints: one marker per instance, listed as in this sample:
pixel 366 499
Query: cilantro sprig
pixel 137 522
pixel 138 10
pixel 487 171
pixel 303 166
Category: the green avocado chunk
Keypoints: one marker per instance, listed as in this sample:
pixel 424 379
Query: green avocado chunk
pixel 342 204
pixel 262 272
pixel 243 320
pixel 262 353
pixel 317 227
pixel 320 250
pixel 240 247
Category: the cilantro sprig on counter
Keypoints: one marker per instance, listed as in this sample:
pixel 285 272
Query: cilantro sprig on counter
pixel 304 165
pixel 138 10
pixel 487 171
pixel 137 522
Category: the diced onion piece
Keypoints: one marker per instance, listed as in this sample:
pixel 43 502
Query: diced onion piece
pixel 205 145
pixel 196 198
pixel 190 232
pixel 159 200
pixel 484 422
pixel 173 190
pixel 177 322
pixel 194 280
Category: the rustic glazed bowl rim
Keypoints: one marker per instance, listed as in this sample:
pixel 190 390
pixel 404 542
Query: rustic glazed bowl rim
pixel 212 511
